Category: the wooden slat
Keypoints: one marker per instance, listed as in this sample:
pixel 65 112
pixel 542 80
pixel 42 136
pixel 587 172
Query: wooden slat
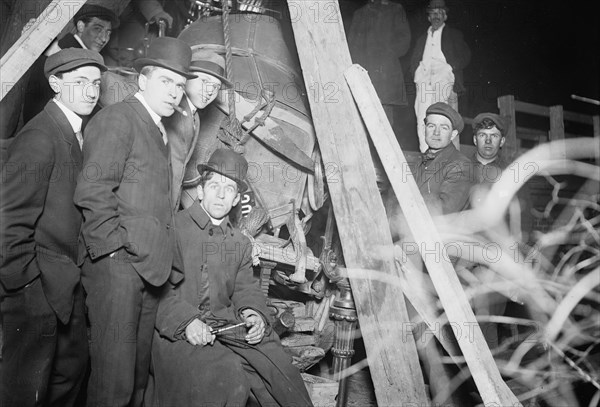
pixel 506 106
pixel 479 359
pixel 557 128
pixel 531 108
pixel 578 118
pixel 30 46
pixel 359 212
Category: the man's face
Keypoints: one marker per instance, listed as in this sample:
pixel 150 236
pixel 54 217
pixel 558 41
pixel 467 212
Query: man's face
pixel 79 89
pixel 95 34
pixel 438 131
pixel 218 196
pixel 203 89
pixel 162 89
pixel 437 17
pixel 488 143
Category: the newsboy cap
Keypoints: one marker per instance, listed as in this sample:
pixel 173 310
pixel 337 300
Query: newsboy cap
pixel 228 163
pixel 69 59
pixel 445 109
pixel 499 121
pixel 435 4
pixel 94 10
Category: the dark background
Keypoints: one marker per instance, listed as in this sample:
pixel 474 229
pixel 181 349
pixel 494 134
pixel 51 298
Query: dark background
pixel 539 51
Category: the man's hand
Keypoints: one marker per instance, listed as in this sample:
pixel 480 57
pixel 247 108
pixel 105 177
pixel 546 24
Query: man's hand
pixel 198 333
pixel 163 15
pixel 256 324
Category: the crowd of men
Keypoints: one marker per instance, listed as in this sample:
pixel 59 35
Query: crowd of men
pixel 102 273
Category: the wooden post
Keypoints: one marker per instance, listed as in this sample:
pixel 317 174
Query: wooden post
pixel 17 60
pixel 360 215
pixel 506 106
pixel 596 124
pixel 557 128
pixel 483 368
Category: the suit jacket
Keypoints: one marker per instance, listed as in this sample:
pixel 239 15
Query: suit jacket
pixel 39 224
pixel 445 181
pixel 124 190
pixel 182 139
pixel 455 50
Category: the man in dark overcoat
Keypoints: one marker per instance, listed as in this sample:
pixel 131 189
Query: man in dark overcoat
pixel 193 365
pixel 44 338
pixel 124 193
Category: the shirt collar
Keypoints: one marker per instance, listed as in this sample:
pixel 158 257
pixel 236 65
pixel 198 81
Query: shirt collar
pixel 439 30
pixel 74 119
pixel 80 41
pixel 203 219
pixel 155 118
pixel 193 108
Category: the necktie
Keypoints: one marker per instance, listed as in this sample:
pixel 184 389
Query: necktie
pixel 79 136
pixel 196 121
pixel 428 156
pixel 163 131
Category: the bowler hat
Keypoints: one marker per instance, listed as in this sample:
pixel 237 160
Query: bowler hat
pixel 94 10
pixel 69 59
pixel 499 121
pixel 228 163
pixel 211 63
pixel 169 53
pixel 445 109
pixel 434 4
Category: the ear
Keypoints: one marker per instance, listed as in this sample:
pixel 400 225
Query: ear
pixel 454 134
pixel 142 80
pixel 53 81
pixel 80 26
pixel 475 140
pixel 237 199
pixel 502 141
pixel 200 192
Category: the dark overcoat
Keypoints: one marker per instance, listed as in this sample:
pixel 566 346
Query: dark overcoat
pixel 218 284
pixel 445 181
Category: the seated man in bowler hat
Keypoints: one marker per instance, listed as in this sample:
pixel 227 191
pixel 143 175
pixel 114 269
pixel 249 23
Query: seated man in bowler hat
pixel 125 196
pixel 93 25
pixel 45 345
pixel 194 364
pixel 183 129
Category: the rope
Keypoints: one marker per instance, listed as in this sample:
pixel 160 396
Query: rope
pixel 228 60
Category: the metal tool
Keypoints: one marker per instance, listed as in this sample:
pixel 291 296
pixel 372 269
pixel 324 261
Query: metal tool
pixel 227 328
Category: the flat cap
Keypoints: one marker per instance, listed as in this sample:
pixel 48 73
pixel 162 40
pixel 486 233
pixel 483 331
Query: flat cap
pixel 69 59
pixel 501 122
pixel 94 10
pixel 445 109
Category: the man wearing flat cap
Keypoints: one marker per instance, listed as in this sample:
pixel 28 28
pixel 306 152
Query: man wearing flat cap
pixel 444 175
pixel 193 364
pixel 93 25
pixel 183 129
pixel 125 196
pixel 45 347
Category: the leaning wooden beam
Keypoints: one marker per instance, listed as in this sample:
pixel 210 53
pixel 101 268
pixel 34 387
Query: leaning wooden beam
pixel 358 208
pixel 479 359
pixel 17 60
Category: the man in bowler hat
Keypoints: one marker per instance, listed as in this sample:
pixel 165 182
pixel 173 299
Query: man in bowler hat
pixel 193 364
pixel 124 193
pixel 45 349
pixel 183 129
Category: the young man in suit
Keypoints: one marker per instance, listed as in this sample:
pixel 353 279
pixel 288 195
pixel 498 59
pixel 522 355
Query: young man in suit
pixel 45 348
pixel 193 364
pixel 94 25
pixel 183 130
pixel 124 193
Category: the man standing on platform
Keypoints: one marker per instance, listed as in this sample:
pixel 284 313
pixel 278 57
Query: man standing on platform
pixel 437 62
pixel 124 193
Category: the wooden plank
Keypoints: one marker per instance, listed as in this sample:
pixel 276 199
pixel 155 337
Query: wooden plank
pixel 578 118
pixel 557 129
pixel 358 208
pixel 271 249
pixel 479 359
pixel 17 60
pixel 531 108
pixel 506 106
